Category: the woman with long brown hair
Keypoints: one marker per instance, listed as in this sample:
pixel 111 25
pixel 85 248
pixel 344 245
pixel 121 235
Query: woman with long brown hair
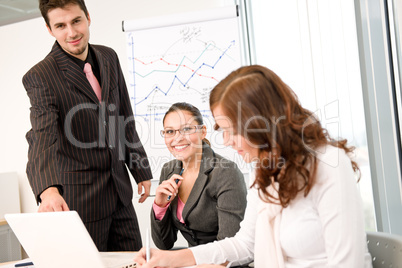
pixel 304 209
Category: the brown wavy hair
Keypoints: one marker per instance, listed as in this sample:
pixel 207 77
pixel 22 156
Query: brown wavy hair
pixel 255 98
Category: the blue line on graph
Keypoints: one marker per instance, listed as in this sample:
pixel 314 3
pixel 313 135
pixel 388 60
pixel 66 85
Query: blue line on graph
pixel 176 78
pixel 179 65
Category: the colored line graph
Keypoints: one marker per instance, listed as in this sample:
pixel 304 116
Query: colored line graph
pixel 182 60
pixel 185 66
pixel 181 63
pixel 176 78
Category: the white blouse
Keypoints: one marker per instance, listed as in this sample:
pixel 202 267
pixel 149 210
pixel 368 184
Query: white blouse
pixel 323 229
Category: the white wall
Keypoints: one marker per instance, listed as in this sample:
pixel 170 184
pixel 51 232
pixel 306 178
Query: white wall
pixel 26 43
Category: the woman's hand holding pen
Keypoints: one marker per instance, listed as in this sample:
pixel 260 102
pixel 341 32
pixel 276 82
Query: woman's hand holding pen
pixel 155 261
pixel 164 258
pixel 167 188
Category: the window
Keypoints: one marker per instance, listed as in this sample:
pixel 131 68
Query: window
pixel 313 47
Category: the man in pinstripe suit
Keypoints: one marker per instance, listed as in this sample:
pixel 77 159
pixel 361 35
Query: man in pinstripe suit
pixel 80 146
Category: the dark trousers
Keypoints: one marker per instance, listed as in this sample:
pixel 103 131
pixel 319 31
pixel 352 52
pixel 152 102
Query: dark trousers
pixel 118 232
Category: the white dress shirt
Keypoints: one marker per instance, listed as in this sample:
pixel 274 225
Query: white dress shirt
pixel 323 229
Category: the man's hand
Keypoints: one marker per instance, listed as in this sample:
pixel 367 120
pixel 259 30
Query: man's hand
pixel 52 201
pixel 147 189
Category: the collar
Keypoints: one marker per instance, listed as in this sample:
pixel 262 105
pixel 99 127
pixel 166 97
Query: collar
pixel 91 58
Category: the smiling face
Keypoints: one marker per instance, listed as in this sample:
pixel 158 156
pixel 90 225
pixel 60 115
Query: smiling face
pixel 70 27
pixel 183 147
pixel 246 149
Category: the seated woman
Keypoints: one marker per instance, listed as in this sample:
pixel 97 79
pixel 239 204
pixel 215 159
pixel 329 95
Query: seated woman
pixel 304 209
pixel 208 200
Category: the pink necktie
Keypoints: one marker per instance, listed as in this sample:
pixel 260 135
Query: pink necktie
pixel 92 80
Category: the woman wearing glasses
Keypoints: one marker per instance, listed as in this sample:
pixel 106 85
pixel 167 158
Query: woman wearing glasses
pixel 201 194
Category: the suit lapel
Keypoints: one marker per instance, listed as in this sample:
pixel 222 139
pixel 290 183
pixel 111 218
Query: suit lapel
pixel 73 73
pixel 207 164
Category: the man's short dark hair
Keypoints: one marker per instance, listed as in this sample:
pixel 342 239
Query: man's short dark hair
pixel 46 5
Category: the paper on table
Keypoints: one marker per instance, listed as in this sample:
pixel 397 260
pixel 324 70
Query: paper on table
pixel 111 259
pixel 12 265
pixel 118 259
pixel 122 258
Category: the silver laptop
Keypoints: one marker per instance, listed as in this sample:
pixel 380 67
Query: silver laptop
pixel 60 239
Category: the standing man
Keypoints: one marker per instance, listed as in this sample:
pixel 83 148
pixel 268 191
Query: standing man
pixel 83 132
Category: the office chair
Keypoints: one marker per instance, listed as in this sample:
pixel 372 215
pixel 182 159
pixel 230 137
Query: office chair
pixel 385 249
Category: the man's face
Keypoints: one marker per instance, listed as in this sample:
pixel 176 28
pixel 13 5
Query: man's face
pixel 70 27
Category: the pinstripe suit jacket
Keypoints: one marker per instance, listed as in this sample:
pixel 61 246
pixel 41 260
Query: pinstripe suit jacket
pixel 77 142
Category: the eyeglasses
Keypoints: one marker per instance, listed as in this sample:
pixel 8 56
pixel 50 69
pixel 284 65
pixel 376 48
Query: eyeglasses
pixel 187 130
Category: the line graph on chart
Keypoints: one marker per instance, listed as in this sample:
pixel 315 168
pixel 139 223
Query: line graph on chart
pixel 179 63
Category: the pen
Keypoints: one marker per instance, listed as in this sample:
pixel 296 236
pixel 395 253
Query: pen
pixel 147 246
pixel 177 181
pixel 23 264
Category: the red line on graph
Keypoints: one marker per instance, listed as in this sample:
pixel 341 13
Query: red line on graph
pixel 174 64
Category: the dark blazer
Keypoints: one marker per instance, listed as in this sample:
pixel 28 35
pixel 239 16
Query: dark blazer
pixel 78 143
pixel 215 206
